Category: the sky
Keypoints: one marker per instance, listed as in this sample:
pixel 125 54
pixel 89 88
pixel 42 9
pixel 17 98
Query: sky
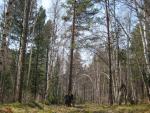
pixel 46 4
pixel 1 2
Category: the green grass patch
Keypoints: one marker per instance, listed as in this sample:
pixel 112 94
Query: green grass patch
pixel 35 107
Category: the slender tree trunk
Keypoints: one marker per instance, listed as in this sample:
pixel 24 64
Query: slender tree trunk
pixel 109 53
pixel 4 47
pixel 117 55
pixel 21 62
pixel 145 45
pixel 146 33
pixel 72 50
pixel 51 54
pixel 36 75
pixel 31 52
pixel 29 68
pixel 47 75
pixel 49 67
pixel 129 82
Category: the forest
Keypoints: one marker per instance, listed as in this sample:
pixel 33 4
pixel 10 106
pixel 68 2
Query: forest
pixel 77 56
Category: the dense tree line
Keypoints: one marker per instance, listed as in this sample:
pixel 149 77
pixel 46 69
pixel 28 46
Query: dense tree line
pixel 95 50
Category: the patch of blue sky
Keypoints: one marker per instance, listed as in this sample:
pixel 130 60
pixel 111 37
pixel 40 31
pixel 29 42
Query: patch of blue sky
pixel 1 6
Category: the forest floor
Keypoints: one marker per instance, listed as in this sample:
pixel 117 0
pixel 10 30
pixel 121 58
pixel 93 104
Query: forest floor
pixel 85 108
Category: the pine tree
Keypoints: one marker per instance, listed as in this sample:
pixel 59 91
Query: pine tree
pixel 80 16
pixel 21 62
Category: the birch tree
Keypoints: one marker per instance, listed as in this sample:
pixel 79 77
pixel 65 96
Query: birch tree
pixel 143 21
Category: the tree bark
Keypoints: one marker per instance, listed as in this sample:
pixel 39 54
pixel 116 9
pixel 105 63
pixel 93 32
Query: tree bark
pixel 72 50
pixel 109 53
pixel 21 62
pixel 36 75
pixel 4 46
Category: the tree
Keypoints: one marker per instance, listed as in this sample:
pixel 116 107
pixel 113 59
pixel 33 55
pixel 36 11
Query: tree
pixel 21 63
pixel 54 88
pixel 143 18
pixel 4 46
pixel 40 42
pixel 53 45
pixel 109 53
pixel 48 29
pixel 136 64
pixel 71 51
pixel 80 13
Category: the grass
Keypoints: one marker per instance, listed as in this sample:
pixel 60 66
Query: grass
pixel 86 108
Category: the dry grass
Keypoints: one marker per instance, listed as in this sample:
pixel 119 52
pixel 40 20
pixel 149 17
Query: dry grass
pixel 86 108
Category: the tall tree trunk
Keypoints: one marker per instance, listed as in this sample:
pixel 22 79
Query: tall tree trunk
pixel 31 52
pixel 72 50
pixel 47 75
pixel 129 82
pixel 117 74
pixel 4 47
pixel 146 32
pixel 36 74
pixel 51 49
pixel 109 53
pixel 21 62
